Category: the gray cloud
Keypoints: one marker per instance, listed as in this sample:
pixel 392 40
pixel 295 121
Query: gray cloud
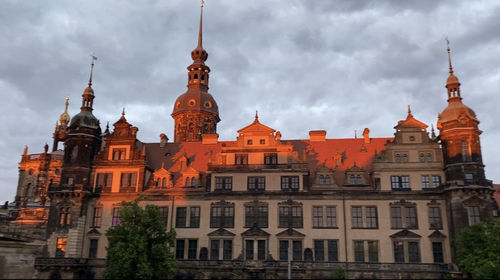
pixel 334 65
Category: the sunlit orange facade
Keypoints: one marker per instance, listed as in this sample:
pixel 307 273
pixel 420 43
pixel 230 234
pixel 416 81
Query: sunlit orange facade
pixel 373 207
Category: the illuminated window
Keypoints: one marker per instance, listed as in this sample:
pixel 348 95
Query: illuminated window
pixel 128 179
pixel 64 216
pixel 240 159
pixel 270 158
pixel 61 246
pixel 119 153
pixel 104 180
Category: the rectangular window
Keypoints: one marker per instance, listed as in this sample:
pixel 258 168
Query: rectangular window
pixel 297 250
pixel 435 221
pixel 283 250
pixel 399 252
pixel 192 248
pixel 289 183
pixel 180 218
pixel 179 249
pixel 240 159
pixel 227 252
pixel 425 181
pixel 332 251
pixel 97 217
pixel 437 252
pixel 400 182
pixel 290 216
pixel 223 183
pixel 256 183
pixel 436 181
pixel 248 249
pixel 222 216
pixel 371 217
pixel 261 249
pixel 214 249
pixel 104 180
pixel 128 179
pixel 331 216
pixel 317 216
pixel 115 221
pixel 359 251
pixel 474 216
pixel 357 217
pixel 93 248
pixel 411 217
pixel 61 246
pixel 413 252
pixel 164 215
pixel 119 153
pixel 194 217
pixel 256 215
pixel 319 250
pixel 373 251
pixel 270 158
pixel 396 219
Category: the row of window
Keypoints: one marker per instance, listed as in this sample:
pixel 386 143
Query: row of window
pixel 290 215
pixel 403 182
pixel 257 183
pixel 324 250
pixel 422 157
pixel 127 179
pixel 269 158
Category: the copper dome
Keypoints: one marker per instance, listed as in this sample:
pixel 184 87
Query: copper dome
pixel 454 110
pixel 194 100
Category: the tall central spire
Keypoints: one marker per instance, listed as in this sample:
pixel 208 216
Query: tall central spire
pixel 452 84
pixel 196 112
pixel 88 93
pixel 200 31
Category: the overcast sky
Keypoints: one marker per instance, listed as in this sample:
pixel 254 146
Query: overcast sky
pixel 334 65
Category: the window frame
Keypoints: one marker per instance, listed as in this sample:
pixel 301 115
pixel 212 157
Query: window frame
pixel 290 183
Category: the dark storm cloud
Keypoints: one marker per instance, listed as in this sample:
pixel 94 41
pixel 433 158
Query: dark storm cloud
pixel 334 65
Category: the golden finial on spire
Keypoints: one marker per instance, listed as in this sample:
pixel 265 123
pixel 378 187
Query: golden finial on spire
pixel 449 56
pixel 64 118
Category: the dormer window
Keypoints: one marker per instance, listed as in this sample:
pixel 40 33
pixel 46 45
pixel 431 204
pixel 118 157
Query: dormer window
pixel 325 180
pixel 355 179
pixel 270 158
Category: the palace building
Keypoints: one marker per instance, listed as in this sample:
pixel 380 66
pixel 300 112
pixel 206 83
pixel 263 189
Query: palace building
pixel 372 207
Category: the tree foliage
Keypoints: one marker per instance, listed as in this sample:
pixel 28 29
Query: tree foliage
pixel 139 248
pixel 478 250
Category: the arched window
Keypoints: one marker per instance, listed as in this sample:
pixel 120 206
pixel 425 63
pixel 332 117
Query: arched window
pixel 398 158
pixel 187 182
pixel 421 157
pixel 195 76
pixel 429 157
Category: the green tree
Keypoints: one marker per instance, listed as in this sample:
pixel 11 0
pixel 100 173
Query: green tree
pixel 139 248
pixel 478 250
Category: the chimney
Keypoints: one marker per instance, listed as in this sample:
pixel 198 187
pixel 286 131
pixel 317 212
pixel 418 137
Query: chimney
pixel 317 135
pixel 163 140
pixel 207 139
pixel 366 135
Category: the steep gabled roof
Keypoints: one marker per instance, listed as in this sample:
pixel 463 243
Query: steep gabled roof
pixel 256 128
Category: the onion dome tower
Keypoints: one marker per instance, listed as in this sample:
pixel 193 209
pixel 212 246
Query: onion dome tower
pixel 196 112
pixel 82 141
pixel 60 130
pixel 469 194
